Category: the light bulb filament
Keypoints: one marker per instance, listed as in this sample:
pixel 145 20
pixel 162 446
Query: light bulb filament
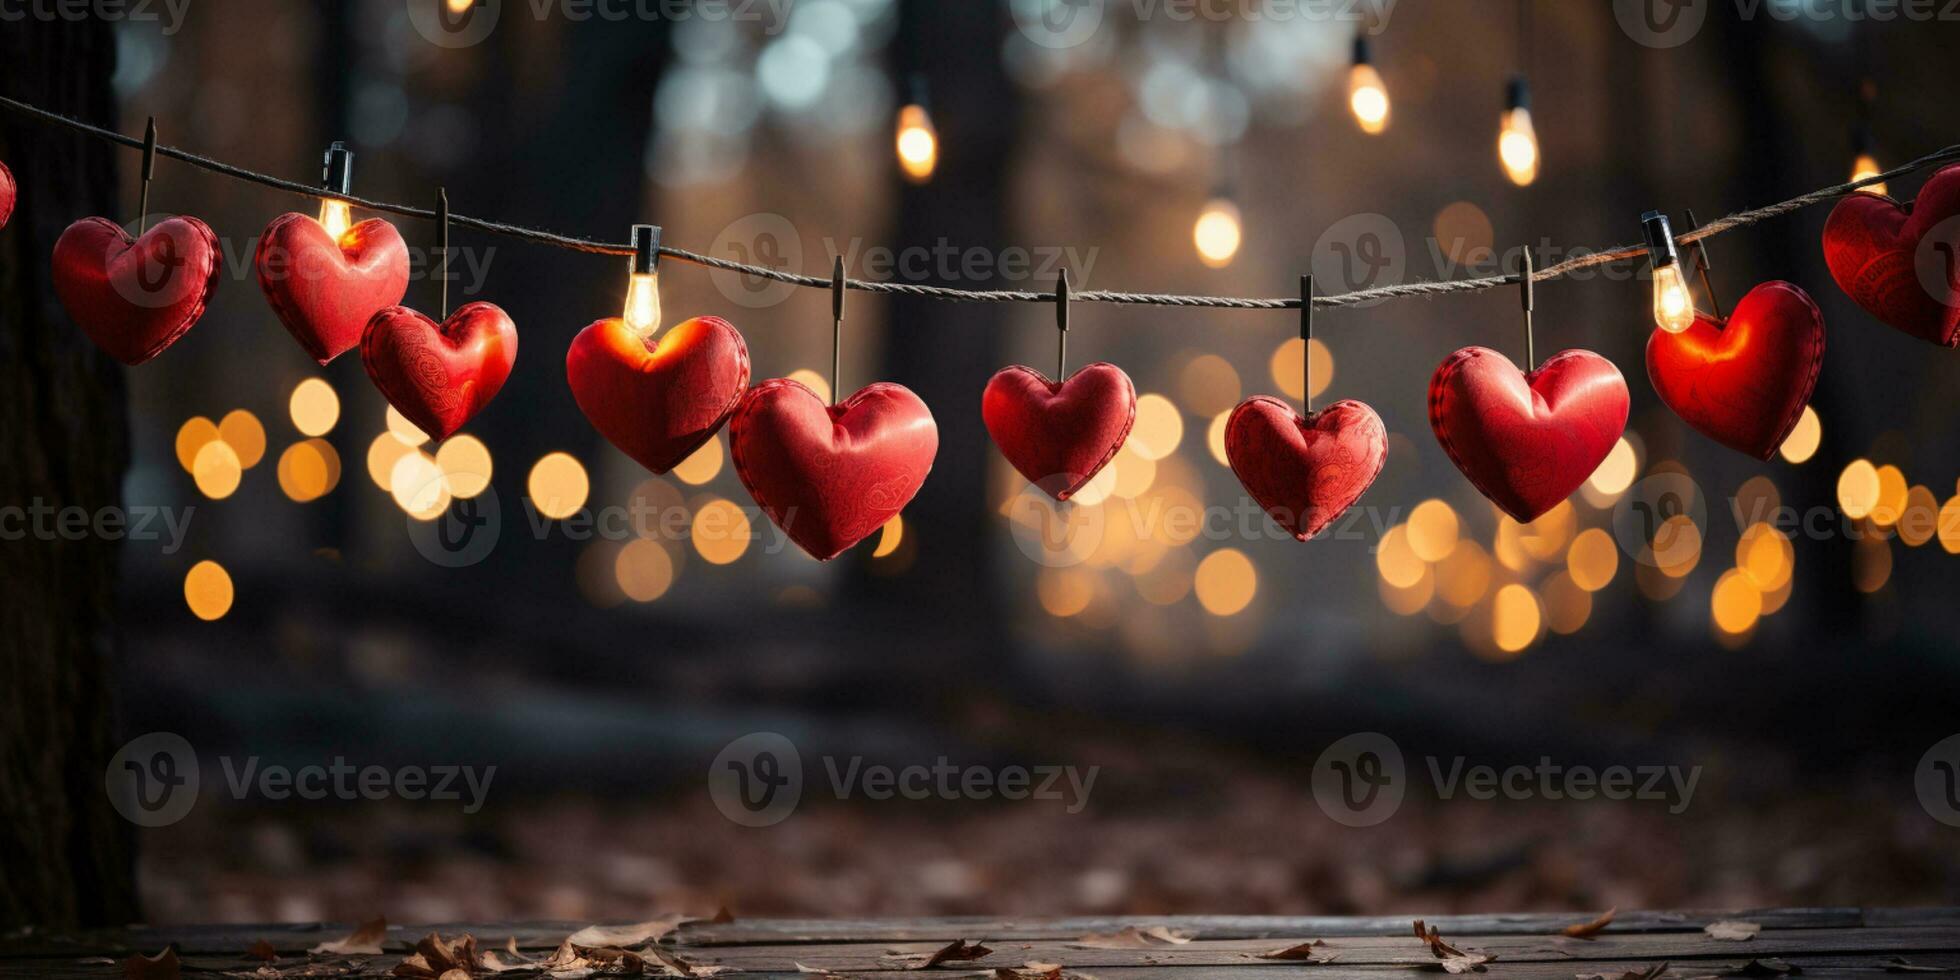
pixel 918 144
pixel 1368 98
pixel 1674 309
pixel 1517 146
pixel 336 217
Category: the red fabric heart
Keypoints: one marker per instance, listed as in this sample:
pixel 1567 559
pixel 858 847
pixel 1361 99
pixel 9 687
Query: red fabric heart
pixel 1526 441
pixel 324 291
pixel 831 475
pixel 7 193
pixel 1059 434
pixel 1305 471
pixel 1883 258
pixel 135 297
pixel 438 375
pixel 1743 382
pixel 659 401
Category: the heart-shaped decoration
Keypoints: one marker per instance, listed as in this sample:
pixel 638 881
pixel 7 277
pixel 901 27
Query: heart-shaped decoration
pixel 439 374
pixel 326 291
pixel 830 475
pixel 1743 382
pixel 8 191
pixel 658 400
pixel 1059 435
pixel 1899 264
pixel 1526 441
pixel 1305 471
pixel 136 296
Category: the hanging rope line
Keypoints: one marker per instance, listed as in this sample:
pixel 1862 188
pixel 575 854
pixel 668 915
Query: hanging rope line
pixel 1740 219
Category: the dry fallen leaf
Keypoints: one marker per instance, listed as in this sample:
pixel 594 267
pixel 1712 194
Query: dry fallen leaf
pixel 678 967
pixel 364 941
pixel 957 951
pixel 1133 937
pixel 1297 951
pixel 1587 930
pixel 262 950
pixel 162 966
pixel 633 934
pixel 800 968
pixel 1732 930
pixel 1450 958
pixel 1899 964
pixel 722 917
pixel 1762 968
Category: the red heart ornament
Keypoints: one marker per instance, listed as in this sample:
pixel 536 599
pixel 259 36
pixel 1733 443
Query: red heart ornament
pixel 438 375
pixel 658 400
pixel 1059 435
pixel 136 296
pixel 7 193
pixel 1900 265
pixel 1743 382
pixel 1305 471
pixel 1526 441
pixel 326 291
pixel 830 475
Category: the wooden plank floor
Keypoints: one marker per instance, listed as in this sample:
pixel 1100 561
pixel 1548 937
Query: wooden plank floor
pixel 1798 942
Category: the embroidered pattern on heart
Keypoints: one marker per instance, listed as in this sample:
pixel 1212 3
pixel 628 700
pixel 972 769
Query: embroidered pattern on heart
pixel 658 402
pixel 1059 435
pixel 1900 266
pixel 1305 471
pixel 325 291
pixel 439 375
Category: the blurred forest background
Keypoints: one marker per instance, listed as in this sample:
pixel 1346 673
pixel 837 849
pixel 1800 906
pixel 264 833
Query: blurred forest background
pixel 601 676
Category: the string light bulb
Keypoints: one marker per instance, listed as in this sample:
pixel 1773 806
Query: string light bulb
pixel 1367 96
pixel 917 140
pixel 1863 163
pixel 336 216
pixel 1674 308
pixel 1517 141
pixel 642 314
pixel 1217 232
pixel 459 7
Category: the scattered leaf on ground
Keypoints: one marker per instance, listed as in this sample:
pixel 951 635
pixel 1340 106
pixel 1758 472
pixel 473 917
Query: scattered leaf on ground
pixel 162 966
pixel 633 934
pixel 1450 958
pixel 364 941
pixel 1297 951
pixel 957 951
pixel 1732 930
pixel 1762 968
pixel 1899 964
pixel 1133 937
pixel 1587 930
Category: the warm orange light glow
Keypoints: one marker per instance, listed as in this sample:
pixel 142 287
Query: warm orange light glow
pixel 315 407
pixel 458 7
pixel 918 144
pixel 642 313
pixel 208 591
pixel 1217 233
pixel 1517 147
pixel 336 217
pixel 1867 166
pixel 1674 309
pixel 1802 442
pixel 1368 98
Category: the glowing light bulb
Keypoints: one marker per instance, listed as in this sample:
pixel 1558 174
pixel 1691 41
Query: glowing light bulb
pixel 1217 233
pixel 336 217
pixel 918 143
pixel 1867 166
pixel 1517 146
pixel 1674 309
pixel 458 7
pixel 1368 98
pixel 643 303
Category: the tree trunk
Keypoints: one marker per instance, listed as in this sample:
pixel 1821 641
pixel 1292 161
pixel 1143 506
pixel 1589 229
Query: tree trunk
pixel 63 443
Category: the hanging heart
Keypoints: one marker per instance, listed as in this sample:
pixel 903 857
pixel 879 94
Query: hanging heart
pixel 1526 441
pixel 658 400
pixel 8 191
pixel 326 291
pixel 1306 471
pixel 1744 381
pixel 1898 264
pixel 136 296
pixel 830 475
pixel 439 375
pixel 1059 435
